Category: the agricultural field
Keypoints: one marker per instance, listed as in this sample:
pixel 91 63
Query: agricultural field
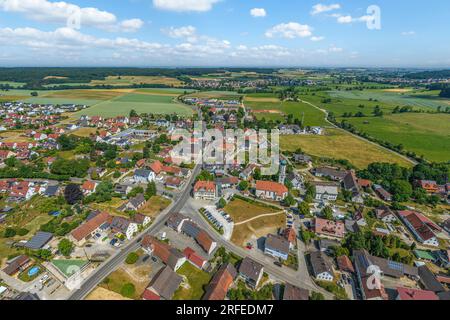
pixel 339 144
pixel 219 95
pixel 130 80
pixel 425 134
pixel 12 84
pixel 401 97
pixel 271 108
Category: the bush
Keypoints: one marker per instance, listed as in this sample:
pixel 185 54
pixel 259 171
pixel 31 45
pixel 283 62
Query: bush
pixel 132 258
pixel 22 232
pixel 9 233
pixel 128 290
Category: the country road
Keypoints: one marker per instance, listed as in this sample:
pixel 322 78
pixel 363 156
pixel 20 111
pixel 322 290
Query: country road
pixel 115 261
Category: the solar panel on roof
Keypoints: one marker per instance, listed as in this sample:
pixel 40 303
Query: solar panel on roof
pixel 39 240
pixel 395 265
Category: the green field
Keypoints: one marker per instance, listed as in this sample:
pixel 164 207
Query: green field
pixel 425 134
pixel 141 103
pixel 423 100
pixel 338 144
pixel 12 84
pixel 108 103
pixel 69 267
pixel 311 116
pixel 194 287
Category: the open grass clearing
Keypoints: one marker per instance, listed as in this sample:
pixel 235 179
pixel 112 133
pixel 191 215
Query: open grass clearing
pixel 338 144
pixel 256 229
pixel 241 210
pixel 193 286
pixel 154 206
pixel 119 278
pixel 425 134
pixel 102 294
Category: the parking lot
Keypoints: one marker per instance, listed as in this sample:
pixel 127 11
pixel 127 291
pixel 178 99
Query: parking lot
pixel 221 220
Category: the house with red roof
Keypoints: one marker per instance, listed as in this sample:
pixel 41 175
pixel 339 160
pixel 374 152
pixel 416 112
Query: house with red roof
pixel 428 185
pixel 270 190
pixel 89 228
pixel 329 228
pixel 194 258
pixel 156 167
pixel 218 287
pixel 415 294
pixel 422 227
pixel 290 235
pixel 205 190
pixel 88 187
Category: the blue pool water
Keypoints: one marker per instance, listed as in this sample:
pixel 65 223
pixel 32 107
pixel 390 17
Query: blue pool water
pixel 33 271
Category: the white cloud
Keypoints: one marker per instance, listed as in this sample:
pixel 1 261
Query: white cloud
pixel 320 8
pixel 61 12
pixel 185 5
pixel 349 19
pixel 290 30
pixel 182 32
pixel 258 12
pixel 408 33
pixel 131 25
pixel 316 38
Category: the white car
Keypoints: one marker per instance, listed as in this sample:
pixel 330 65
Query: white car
pixel 44 278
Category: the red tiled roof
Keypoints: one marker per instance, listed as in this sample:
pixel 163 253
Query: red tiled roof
pixel 88 227
pixel 88 185
pixel 206 186
pixel 329 227
pixel 204 240
pixel 150 295
pixel 415 294
pixel 271 186
pixel 289 235
pixel 156 167
pixel 345 264
pixel 192 256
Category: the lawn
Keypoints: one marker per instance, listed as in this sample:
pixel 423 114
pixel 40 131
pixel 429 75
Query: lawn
pixel 310 115
pixel 130 80
pixel 241 210
pixel 85 132
pixel 425 134
pixel 69 267
pixel 117 280
pixel 257 228
pixel 193 286
pixel 154 206
pixel 339 144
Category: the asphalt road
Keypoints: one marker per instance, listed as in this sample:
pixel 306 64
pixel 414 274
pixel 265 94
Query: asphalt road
pixel 115 261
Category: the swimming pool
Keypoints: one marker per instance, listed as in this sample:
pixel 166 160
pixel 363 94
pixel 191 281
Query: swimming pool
pixel 33 271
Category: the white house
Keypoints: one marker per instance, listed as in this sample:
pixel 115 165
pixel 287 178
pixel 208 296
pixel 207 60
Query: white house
pixel 326 192
pixel 144 176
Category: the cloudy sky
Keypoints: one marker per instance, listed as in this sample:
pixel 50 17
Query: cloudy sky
pixel 405 33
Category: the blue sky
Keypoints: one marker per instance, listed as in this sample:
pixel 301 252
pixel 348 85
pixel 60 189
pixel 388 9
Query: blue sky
pixel 291 33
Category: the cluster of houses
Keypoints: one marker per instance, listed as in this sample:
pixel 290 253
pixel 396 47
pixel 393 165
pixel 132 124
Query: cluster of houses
pixel 17 191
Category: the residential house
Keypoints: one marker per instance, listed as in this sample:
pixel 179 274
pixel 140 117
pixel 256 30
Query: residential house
pixel 144 176
pixel 89 228
pixel 195 259
pixel 290 235
pixel 156 167
pixel 205 190
pixel 428 185
pixel 201 236
pixel 345 264
pixel 329 228
pixel 218 287
pixel 163 285
pixel 382 193
pixel 429 281
pixel 277 247
pixel 385 214
pixel 124 226
pixel 294 293
pixel 167 254
pixel 326 191
pixel 173 182
pixel 422 227
pixel 270 190
pixel 302 159
pixel 88 187
pixel 251 271
pixel 330 173
pixel 364 275
pixel 122 189
pixel 247 172
pixel 227 182
pixel 51 191
pixel 17 264
pixel 134 203
pixel 176 221
pixel 350 183
pixel 321 267
pixel 408 294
